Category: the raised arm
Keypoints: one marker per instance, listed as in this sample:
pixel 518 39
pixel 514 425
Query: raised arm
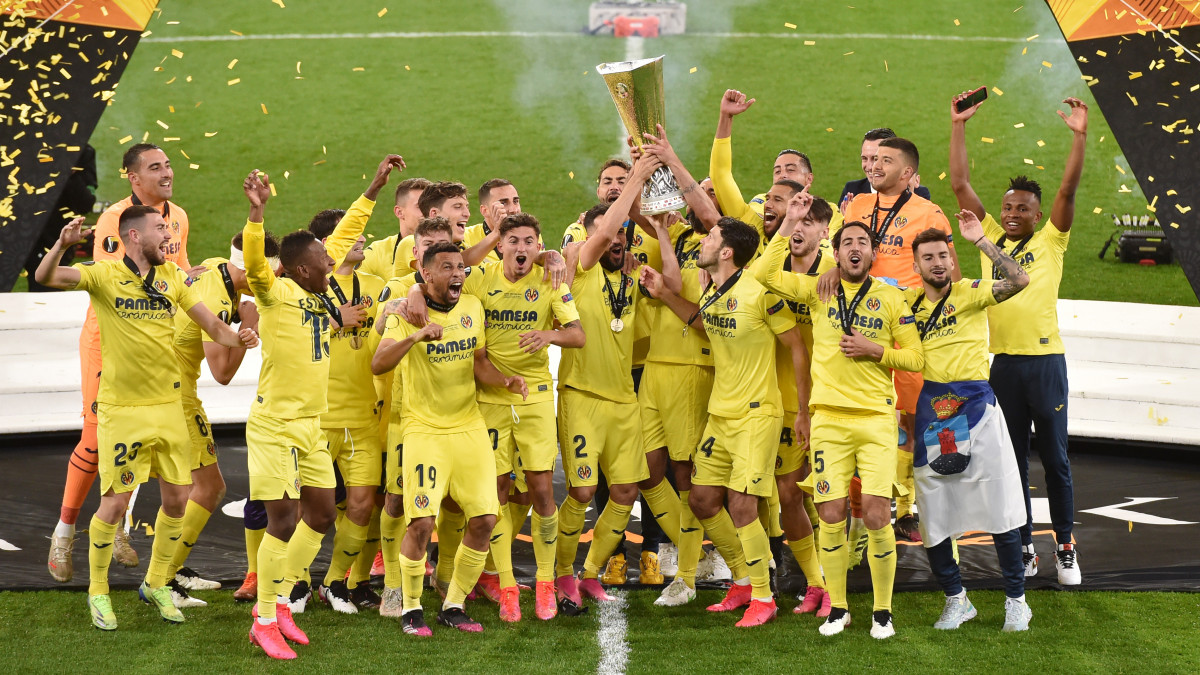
pixel 720 163
pixel 344 236
pixel 1063 212
pixel 610 223
pixel 672 277
pixel 700 203
pixel 768 271
pixel 1013 276
pixel 49 272
pixel 960 168
pixel 259 274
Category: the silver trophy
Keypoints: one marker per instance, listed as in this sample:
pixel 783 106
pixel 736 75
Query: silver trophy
pixel 637 90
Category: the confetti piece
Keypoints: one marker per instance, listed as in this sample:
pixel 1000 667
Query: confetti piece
pixel 956 23
pixel 1018 9
pixel 1097 210
pixel 407 68
pixel 358 70
pixel 809 43
pixel 996 91
pixel 237 33
pixel 985 139
pixel 170 139
pixel 176 53
pixel 571 175
pixel 1182 209
pixel 1101 53
pixel 1131 526
pixel 792 26
pixel 171 108
pixel 1131 98
pixel 209 134
pixel 185 155
pixel 1019 125
pixel 1047 64
pixel 264 107
pixel 286 174
pixel 1171 193
pixel 830 129
pixel 382 12
pixel 162 124
pixel 193 166
pixel 885 67
pixel 1041 144
pixel 319 161
pixel 847 54
pixel 273 194
pixel 280 3
pixel 1134 75
pixel 1028 161
pixel 125 140
pixel 234 81
pixel 1024 51
pixel 942 176
pixel 232 64
pixel 1031 38
pixel 689 72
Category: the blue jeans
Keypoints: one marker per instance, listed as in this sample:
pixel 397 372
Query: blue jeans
pixel 1008 550
pixel 1032 390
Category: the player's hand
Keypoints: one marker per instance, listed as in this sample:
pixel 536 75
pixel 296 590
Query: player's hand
pixel 498 213
pixel 631 263
pixel 845 203
pixel 534 341
pixel 196 271
pixel 798 207
pixel 430 331
pixel 257 187
pixel 380 178
pixel 635 152
pixel 248 337
pixel 968 225
pixel 516 384
pixel 961 117
pixel 643 169
pixel 856 345
pixel 248 311
pixel 652 281
pixel 353 316
pixel 73 232
pixel 674 218
pixel 414 310
pixel 828 283
pixel 703 276
pixel 1077 121
pixel 803 428
pixel 735 102
pixel 555 266
pixel 660 146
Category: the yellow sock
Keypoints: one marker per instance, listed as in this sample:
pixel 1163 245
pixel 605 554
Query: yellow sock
pixel 450 526
pixel 347 548
pixel 609 528
pixel 667 509
pixel 413 574
pixel 768 513
pixel 545 535
pixel 691 540
pixel 757 549
pixel 195 517
pixel 272 561
pixel 904 476
pixel 253 541
pixel 518 514
pixel 724 536
pixel 167 532
pixel 881 550
pixel 835 559
pixel 102 535
pixel 810 507
pixel 360 571
pixel 804 551
pixel 570 526
pixel 468 565
pixel 302 549
pixel 500 548
pixel 391 534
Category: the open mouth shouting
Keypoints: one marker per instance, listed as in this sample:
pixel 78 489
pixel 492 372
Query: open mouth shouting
pixel 454 291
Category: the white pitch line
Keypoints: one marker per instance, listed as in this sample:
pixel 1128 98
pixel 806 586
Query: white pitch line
pixel 563 34
pixel 614 650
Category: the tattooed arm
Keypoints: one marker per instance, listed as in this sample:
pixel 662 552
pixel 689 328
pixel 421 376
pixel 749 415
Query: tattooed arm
pixel 1013 276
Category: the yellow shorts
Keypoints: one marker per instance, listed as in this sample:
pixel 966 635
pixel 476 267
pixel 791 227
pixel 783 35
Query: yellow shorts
pixel 843 444
pixel 358 453
pixel 138 440
pixel 673 401
pixel 457 464
pixel 596 433
pixel 792 452
pixel 203 447
pixel 285 455
pixel 738 454
pixel 524 436
pixel 393 475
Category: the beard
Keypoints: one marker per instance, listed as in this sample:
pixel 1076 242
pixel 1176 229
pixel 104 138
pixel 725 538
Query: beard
pixel 939 283
pixel 694 221
pixel 612 262
pixel 154 255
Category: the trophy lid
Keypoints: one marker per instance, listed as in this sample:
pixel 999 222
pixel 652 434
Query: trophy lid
pixel 626 66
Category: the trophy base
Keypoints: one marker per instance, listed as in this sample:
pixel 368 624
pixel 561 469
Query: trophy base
pixel 663 204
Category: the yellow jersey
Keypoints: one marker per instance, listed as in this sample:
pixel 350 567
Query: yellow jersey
pixel 956 345
pixel 841 383
pixel 1027 323
pixel 475 234
pixel 221 299
pixel 137 331
pixel 513 308
pixel 573 233
pixel 348 230
pixel 602 366
pixel 670 344
pixel 741 325
pixel 729 196
pixel 441 373
pixel 379 258
pixel 352 400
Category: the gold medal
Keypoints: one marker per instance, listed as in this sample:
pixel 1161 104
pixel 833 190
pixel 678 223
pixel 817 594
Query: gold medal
pixel 617 325
pixel 356 342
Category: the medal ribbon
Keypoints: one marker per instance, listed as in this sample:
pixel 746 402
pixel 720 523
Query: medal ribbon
pixel 847 314
pixel 1015 252
pixel 617 303
pixel 148 286
pixel 234 297
pixel 934 315
pixel 715 296
pixel 887 221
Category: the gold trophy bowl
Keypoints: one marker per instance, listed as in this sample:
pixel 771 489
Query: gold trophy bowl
pixel 636 88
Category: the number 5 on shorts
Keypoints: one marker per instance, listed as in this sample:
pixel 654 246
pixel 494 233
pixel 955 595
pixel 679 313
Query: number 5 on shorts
pixel 818 461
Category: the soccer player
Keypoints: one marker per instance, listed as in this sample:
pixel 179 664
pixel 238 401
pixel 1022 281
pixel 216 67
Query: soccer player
pixel 599 423
pixel 852 408
pixel 967 478
pixel 139 411
pixel 446 443
pixel 380 257
pixel 151 183
pixel 220 288
pixel 870 148
pixel 609 183
pixel 1029 372
pixel 895 215
pixel 498 199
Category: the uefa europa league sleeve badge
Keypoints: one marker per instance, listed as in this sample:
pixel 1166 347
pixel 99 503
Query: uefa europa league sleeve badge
pixel 637 90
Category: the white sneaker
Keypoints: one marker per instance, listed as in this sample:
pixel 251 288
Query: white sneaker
pixel 1016 615
pixel 675 594
pixel 881 625
pixel 299 598
pixel 189 579
pixel 712 567
pixel 958 611
pixel 836 623
pixel 180 597
pixel 1031 560
pixel 337 597
pixel 1068 566
pixel 668 559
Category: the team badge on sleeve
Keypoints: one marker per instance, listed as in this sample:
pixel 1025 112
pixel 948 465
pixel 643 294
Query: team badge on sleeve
pixel 906 319
pixel 975 284
pixel 111 244
pixel 385 293
pixel 567 298
pixel 774 309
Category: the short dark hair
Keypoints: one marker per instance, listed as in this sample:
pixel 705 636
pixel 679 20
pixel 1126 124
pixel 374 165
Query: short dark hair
pixel 837 237
pixel 432 252
pixel 294 247
pixel 323 224
pixel 820 210
pixel 610 164
pixel 907 149
pixel 520 220
pixel 929 236
pixel 133 156
pixel 589 218
pixel 739 237
pixel 804 160
pixel 1024 184
pixel 428 226
pixel 435 196
pixel 404 187
pixel 879 134
pixel 270 244
pixel 131 216
pixel 795 186
pixel 485 190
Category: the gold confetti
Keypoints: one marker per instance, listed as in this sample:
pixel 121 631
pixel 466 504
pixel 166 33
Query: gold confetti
pixel 885 67
pixel 847 54
pixel 1131 526
pixel 1097 210
pixel 232 64
pixel 1134 75
pixel 996 91
pixel 1028 161
pixel 1041 144
pixel 170 139
pixel 280 3
pixel 1019 125
pixel 792 26
pixel 985 139
pixel 1031 38
pixel 809 43
pixel 125 140
pixel 209 134
pixel 171 108
pixel 571 175
pixel 407 68
pixel 193 166
pixel 1047 64
pixel 1171 193
pixel 358 70
pixel 1101 53
pixel 176 53
pixel 1131 98
pixel 1120 169
pixel 185 155
pixel 319 161
pixel 956 23
pixel 382 12
pixel 689 72
pixel 942 176
pixel 1024 51
pixel 264 107
pixel 273 194
pixel 1182 209
pixel 162 124
pixel 235 32
pixel 286 174
pixel 234 81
